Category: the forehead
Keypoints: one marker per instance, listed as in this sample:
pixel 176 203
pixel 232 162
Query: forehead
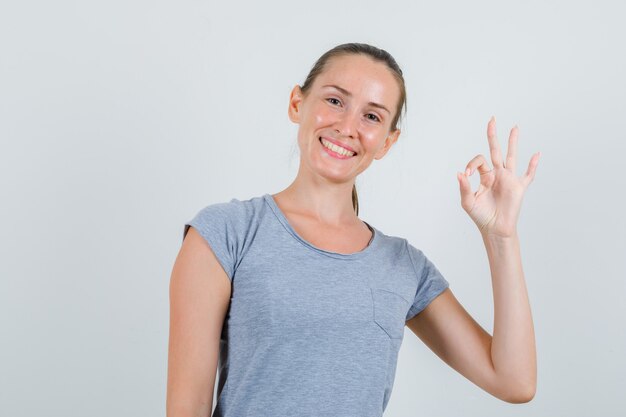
pixel 363 77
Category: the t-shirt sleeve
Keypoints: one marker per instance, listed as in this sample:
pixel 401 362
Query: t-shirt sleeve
pixel 220 225
pixel 430 282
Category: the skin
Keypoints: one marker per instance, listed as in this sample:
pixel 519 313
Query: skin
pixel 199 297
pixel 318 205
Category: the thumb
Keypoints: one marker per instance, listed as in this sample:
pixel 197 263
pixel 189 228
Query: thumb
pixel 467 197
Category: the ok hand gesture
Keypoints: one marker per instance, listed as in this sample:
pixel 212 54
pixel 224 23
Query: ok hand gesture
pixel 495 206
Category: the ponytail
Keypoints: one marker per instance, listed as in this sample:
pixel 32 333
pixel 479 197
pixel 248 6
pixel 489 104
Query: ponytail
pixel 355 200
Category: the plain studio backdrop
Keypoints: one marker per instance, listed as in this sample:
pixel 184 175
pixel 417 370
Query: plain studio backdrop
pixel 119 120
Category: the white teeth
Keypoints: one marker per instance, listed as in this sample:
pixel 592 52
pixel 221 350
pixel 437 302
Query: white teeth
pixel 335 148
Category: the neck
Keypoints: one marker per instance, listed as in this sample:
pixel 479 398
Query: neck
pixel 327 203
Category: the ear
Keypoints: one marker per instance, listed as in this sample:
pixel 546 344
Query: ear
pixel 295 101
pixel 389 141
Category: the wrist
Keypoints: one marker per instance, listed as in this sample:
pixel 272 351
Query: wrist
pixel 498 238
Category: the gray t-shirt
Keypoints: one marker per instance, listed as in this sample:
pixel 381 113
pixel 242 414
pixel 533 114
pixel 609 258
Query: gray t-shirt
pixel 309 332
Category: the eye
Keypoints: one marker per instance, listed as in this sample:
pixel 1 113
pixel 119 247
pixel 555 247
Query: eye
pixel 376 118
pixel 333 98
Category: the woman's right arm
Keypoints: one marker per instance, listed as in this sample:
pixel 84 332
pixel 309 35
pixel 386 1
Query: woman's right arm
pixel 199 297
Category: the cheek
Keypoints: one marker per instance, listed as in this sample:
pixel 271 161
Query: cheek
pixel 322 116
pixel 373 141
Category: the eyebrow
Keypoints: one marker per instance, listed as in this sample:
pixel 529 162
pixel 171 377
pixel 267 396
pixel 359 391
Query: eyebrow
pixel 349 94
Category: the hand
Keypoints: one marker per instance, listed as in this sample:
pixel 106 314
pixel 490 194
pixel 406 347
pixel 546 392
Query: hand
pixel 495 206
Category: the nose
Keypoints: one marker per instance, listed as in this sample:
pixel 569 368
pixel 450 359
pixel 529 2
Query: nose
pixel 346 124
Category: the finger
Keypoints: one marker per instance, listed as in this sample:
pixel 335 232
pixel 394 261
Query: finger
pixel 532 167
pixel 478 162
pixel 467 197
pixel 494 146
pixel 486 173
pixel 511 154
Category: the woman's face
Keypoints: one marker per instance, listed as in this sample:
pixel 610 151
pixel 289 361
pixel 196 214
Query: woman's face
pixel 351 104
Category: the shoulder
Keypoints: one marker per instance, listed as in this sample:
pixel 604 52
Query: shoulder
pixel 406 252
pixel 233 208
pixel 228 228
pixel 233 215
pixel 393 246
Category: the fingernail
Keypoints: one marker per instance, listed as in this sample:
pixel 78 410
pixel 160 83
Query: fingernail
pixel 467 172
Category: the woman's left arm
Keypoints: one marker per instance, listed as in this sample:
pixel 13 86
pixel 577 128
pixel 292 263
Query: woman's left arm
pixel 504 364
pixel 513 342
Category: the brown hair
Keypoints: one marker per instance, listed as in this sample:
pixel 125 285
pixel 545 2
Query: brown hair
pixel 376 54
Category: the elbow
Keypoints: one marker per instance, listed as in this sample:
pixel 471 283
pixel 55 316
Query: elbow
pixel 522 394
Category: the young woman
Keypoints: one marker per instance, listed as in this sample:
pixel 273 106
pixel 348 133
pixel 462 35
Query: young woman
pixel 302 305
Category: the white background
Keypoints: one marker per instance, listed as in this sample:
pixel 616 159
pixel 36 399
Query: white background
pixel 119 120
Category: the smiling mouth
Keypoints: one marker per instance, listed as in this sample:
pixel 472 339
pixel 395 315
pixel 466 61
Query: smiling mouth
pixel 336 148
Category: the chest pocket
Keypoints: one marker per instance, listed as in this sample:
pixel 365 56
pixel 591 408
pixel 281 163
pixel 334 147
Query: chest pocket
pixel 390 310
